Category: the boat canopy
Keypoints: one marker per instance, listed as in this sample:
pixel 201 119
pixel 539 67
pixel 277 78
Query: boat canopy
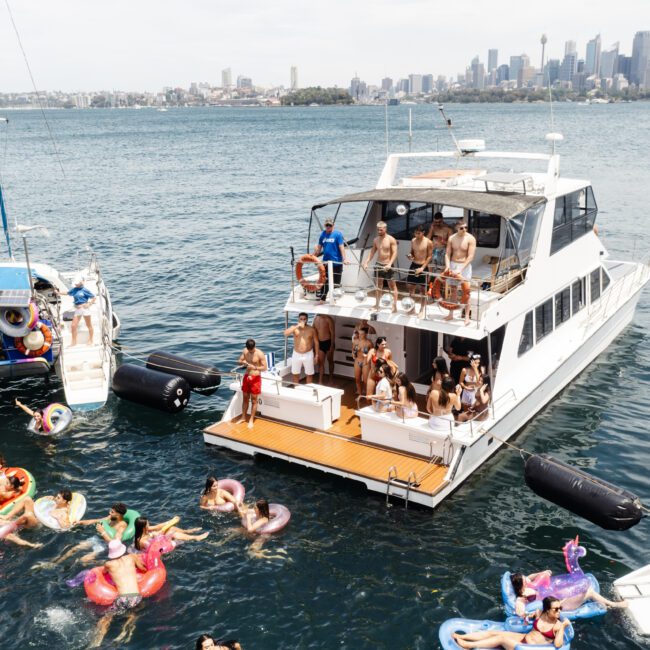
pixel 504 204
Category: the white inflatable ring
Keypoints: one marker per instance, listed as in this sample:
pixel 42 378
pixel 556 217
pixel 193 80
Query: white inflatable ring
pixel 44 506
pixel 235 488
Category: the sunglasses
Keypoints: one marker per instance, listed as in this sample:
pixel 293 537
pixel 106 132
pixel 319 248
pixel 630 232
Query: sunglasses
pixel 556 609
pixel 462 227
pixel 329 225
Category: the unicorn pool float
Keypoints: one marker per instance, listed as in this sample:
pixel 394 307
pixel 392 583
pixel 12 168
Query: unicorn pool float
pixel 573 588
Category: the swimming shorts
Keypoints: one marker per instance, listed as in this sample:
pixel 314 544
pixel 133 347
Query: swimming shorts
pixel 466 273
pixel 384 273
pixel 125 602
pixel 82 310
pixel 419 278
pixel 300 360
pixel 252 384
pixel 438 257
pixel 324 346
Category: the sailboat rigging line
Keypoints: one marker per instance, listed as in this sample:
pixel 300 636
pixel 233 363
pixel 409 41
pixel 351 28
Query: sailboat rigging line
pixel 38 98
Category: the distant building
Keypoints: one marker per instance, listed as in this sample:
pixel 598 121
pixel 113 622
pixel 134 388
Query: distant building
pixel 640 68
pixel 526 76
pixel 570 48
pixel 387 84
pixel 478 74
pixel 516 64
pixel 415 84
pixel 244 83
pixel 358 89
pixel 427 84
pixel 552 71
pixel 226 78
pixel 619 83
pixel 503 73
pixel 608 60
pixel 592 59
pixel 493 60
pixel 441 83
pixel 568 66
pixel 293 78
pixel 403 86
pixel 624 66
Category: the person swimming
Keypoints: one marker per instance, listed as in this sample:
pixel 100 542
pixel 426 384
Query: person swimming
pixel 37 415
pixel 145 533
pixel 213 495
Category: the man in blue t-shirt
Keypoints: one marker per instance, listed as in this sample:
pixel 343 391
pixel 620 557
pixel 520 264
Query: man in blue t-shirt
pixel 332 245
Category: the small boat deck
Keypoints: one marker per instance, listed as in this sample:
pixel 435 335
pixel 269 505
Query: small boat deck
pixel 339 450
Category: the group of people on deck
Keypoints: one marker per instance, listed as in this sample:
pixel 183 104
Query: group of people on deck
pixel 440 250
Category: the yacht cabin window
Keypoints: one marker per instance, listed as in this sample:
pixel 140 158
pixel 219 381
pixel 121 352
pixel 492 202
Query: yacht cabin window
pixel 594 285
pixel 575 215
pixel 543 319
pixel 486 228
pixel 526 340
pixel 562 306
pixel 402 217
pixel 578 296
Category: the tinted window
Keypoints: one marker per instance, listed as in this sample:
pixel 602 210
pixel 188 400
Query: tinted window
pixel 401 217
pixel 526 340
pixel 578 296
pixel 606 280
pixel 575 215
pixel 594 283
pixel 543 319
pixel 486 229
pixel 562 306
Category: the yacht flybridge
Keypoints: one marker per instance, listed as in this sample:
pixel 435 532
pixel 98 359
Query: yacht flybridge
pixel 545 300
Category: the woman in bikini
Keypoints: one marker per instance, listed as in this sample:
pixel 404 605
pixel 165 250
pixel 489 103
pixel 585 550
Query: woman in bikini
pixel 470 380
pixel 440 371
pixel 145 533
pixel 254 518
pixel 526 593
pixel 479 409
pixel 406 405
pixel 548 629
pixel 213 495
pixel 376 356
pixel 361 346
pixel 440 404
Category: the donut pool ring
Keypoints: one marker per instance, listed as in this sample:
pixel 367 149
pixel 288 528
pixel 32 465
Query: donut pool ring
pixel 233 487
pixel 100 588
pixel 28 488
pixel 44 506
pixel 512 624
pixel 18 321
pixel 279 516
pixel 56 418
pixel 129 533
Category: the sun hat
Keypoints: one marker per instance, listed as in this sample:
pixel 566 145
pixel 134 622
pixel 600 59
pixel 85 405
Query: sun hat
pixel 329 222
pixel 116 549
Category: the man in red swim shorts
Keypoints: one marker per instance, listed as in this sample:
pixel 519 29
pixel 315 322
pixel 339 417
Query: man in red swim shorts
pixel 255 363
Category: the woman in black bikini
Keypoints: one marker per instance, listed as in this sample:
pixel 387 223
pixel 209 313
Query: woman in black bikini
pixel 547 629
pixel 360 349
pixel 374 359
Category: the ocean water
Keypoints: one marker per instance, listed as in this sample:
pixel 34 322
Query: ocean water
pixel 192 213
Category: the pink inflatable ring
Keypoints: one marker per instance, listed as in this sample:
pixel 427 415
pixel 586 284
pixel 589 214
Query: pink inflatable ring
pixel 278 518
pixel 235 488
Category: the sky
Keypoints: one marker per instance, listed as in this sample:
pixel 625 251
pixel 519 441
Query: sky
pixel 77 45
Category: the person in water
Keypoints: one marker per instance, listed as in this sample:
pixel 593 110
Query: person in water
pixel 548 629
pixel 145 533
pixel 525 593
pixel 37 415
pixel 27 520
pixel 213 495
pixel 61 511
pixel 207 642
pixel 254 518
pixel 122 567
pixel 115 519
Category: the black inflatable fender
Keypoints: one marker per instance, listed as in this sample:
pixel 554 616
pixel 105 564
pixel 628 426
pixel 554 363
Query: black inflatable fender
pixel 158 390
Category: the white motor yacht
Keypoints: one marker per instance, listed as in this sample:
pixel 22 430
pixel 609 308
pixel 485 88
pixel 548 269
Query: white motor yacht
pixel 545 300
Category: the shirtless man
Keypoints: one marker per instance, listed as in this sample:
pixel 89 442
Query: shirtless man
pixel 28 519
pixel 305 347
pixel 439 233
pixel 386 248
pixel 420 256
pixel 122 569
pixel 458 261
pixel 326 330
pixel 255 363
pixel 115 519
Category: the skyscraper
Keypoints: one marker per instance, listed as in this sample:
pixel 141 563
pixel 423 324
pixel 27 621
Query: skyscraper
pixel 592 60
pixel 294 78
pixel 387 84
pixel 569 66
pixel 415 84
pixel 608 61
pixel 640 69
pixel 516 64
pixel 570 48
pixel 478 74
pixel 226 78
pixel 493 60
pixel 543 40
pixel 427 83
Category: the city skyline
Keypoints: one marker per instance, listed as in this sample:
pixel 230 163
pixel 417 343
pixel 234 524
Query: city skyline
pixel 146 46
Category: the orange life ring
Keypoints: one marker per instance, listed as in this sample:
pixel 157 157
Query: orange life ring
pixel 322 274
pixel 47 344
pixel 438 287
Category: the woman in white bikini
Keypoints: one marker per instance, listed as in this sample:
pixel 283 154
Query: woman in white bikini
pixel 440 404
pixel 470 381
pixel 406 405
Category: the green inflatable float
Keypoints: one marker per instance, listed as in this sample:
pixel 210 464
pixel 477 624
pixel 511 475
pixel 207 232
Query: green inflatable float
pixel 129 517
